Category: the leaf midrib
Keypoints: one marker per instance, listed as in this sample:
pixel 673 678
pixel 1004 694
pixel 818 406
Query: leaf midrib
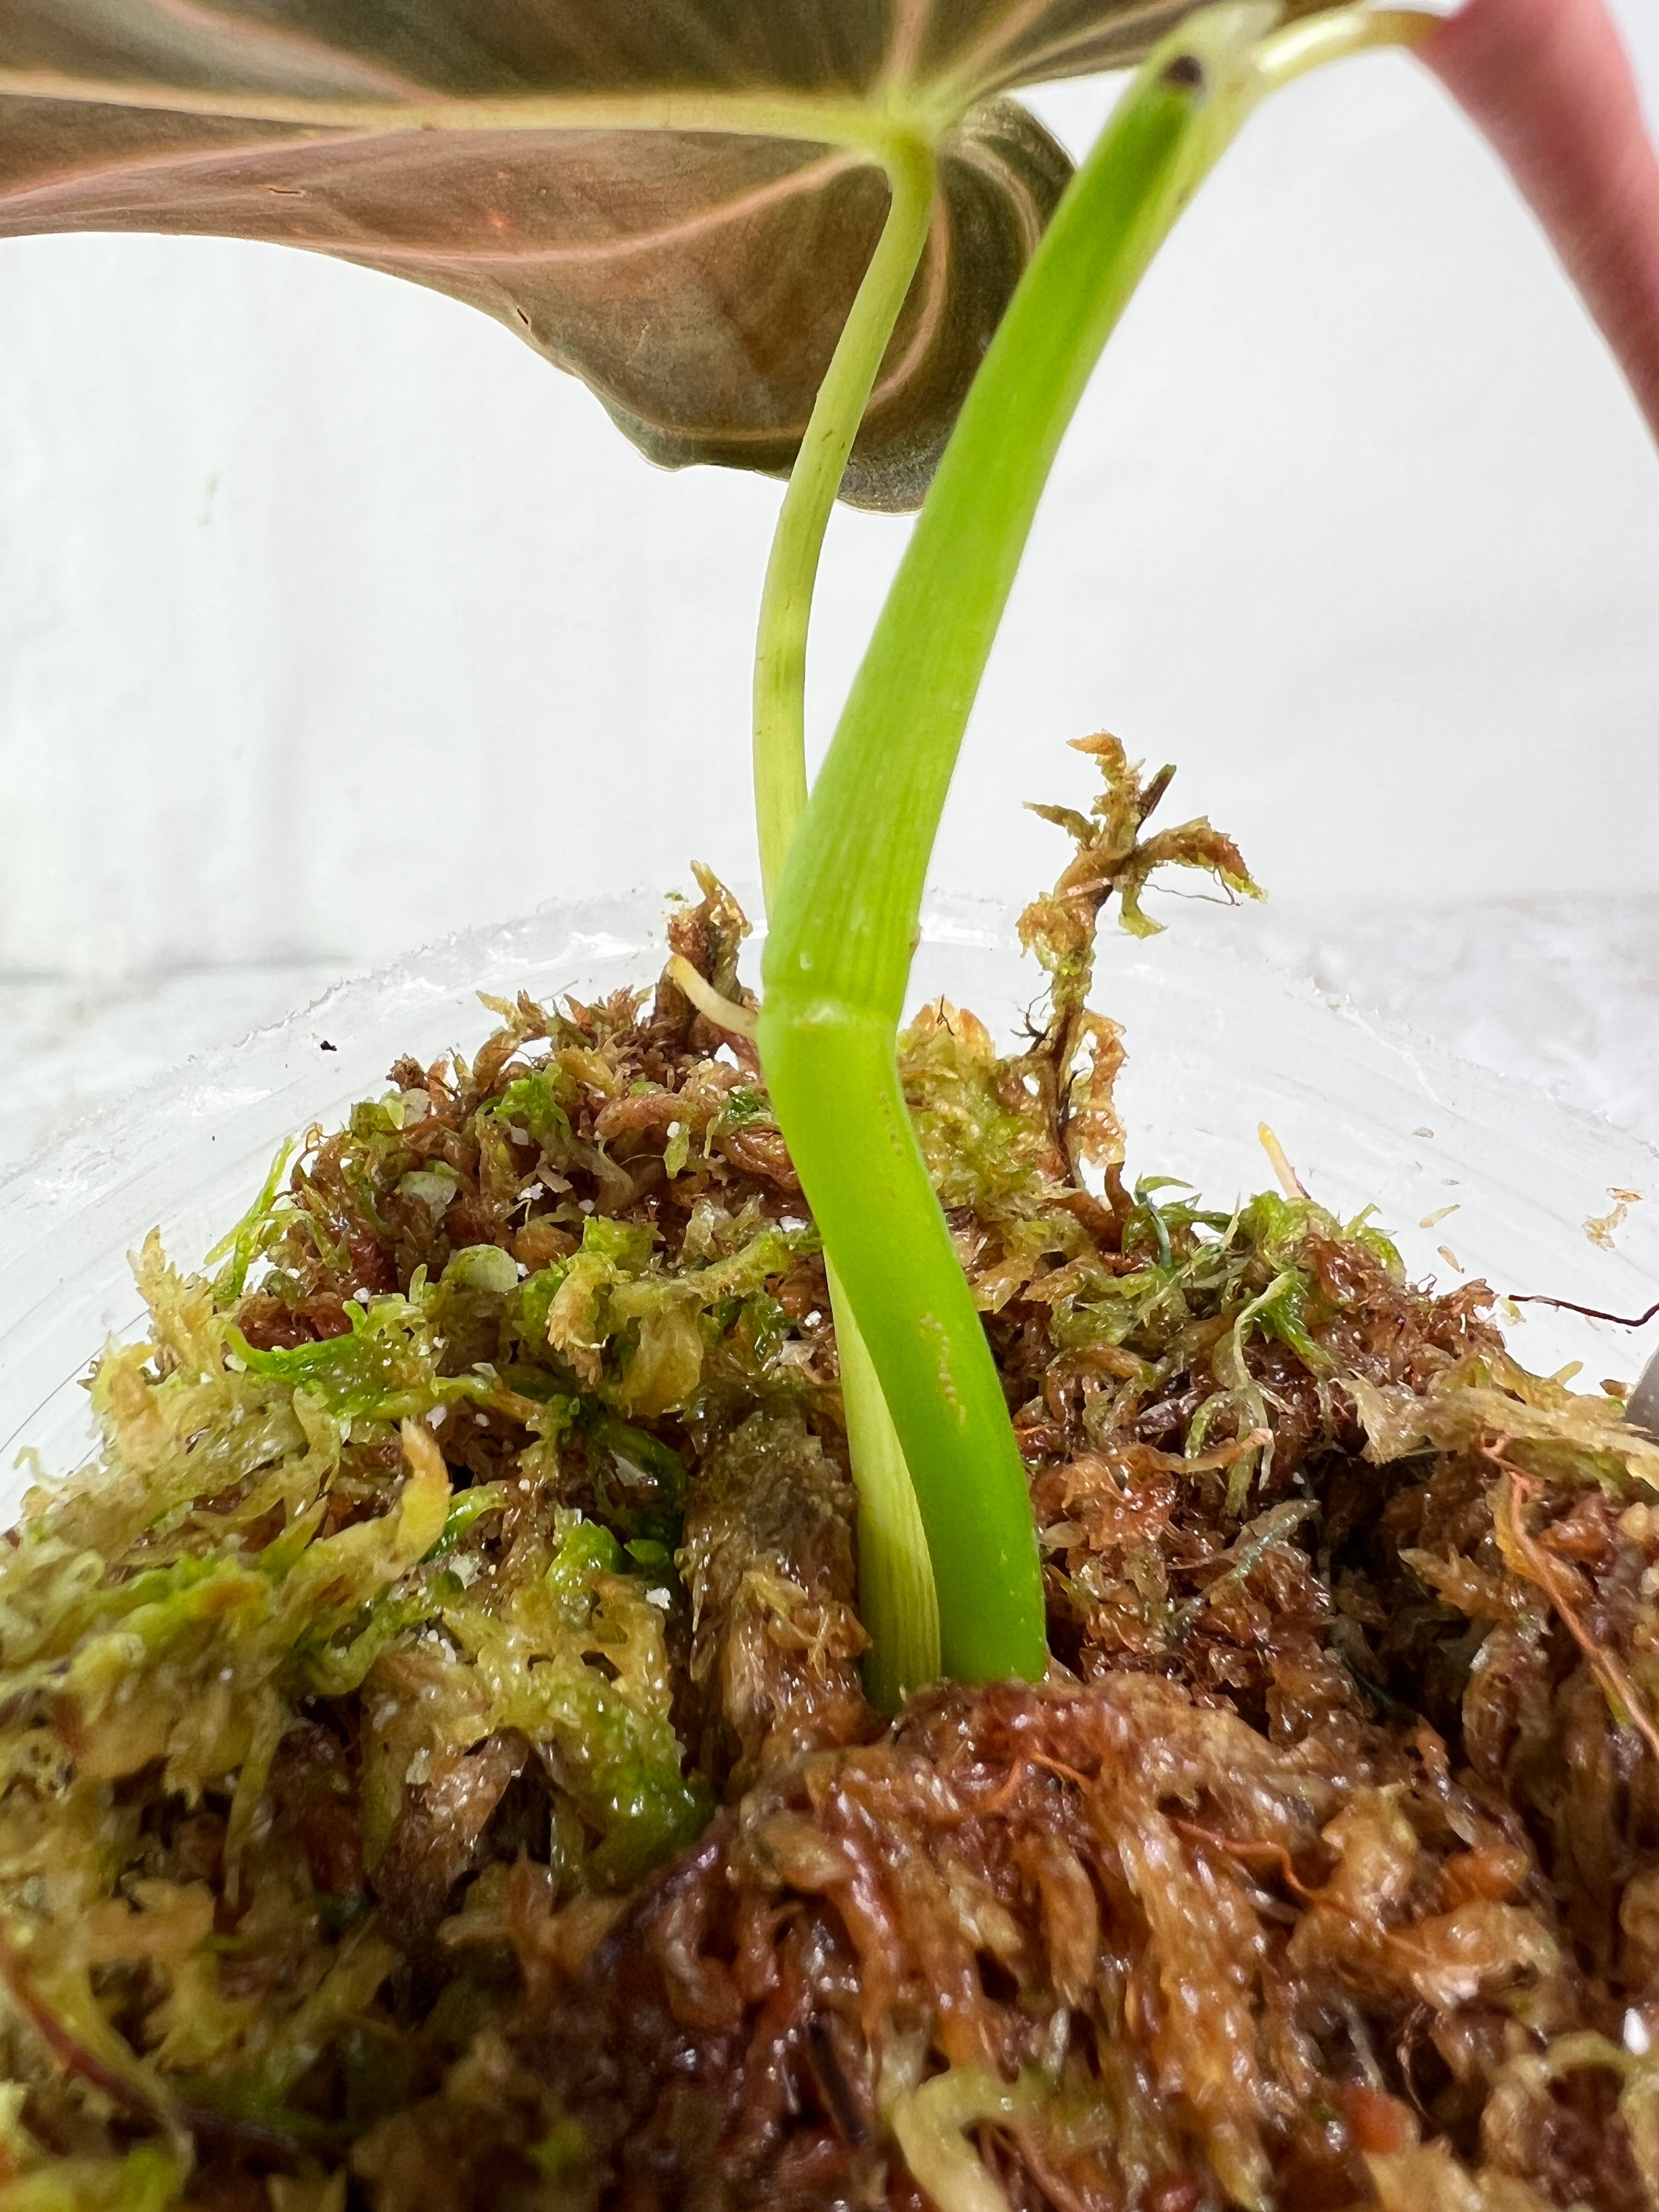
pixel 872 125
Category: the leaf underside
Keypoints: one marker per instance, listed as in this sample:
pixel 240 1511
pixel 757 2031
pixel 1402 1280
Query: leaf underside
pixel 697 281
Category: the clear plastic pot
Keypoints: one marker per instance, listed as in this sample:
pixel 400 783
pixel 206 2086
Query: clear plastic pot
pixel 1472 1173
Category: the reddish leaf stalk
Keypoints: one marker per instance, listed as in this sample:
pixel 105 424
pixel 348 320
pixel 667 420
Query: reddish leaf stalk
pixel 1549 83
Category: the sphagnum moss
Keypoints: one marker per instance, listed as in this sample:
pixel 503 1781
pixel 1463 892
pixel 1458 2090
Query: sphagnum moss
pixel 436 1763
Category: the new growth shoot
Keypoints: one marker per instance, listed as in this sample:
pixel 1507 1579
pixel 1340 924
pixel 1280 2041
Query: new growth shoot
pixel 843 919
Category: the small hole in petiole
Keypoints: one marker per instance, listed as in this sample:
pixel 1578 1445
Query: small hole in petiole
pixel 1185 73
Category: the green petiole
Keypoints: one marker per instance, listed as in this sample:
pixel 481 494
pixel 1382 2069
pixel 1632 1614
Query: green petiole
pixel 779 698
pixel 834 1082
pixel 898 1601
pixel 895 1584
pixel 838 957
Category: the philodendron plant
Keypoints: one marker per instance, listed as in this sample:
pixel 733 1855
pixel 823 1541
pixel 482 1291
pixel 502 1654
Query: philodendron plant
pixel 815 237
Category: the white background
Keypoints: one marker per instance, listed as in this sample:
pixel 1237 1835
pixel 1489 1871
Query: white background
pixel 331 619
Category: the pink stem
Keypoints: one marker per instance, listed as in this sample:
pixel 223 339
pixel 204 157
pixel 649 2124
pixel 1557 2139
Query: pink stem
pixel 1550 85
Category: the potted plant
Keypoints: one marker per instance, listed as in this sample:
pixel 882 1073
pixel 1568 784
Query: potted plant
pixel 494 1210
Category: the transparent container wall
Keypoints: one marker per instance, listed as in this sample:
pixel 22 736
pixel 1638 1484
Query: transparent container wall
pixel 1216 1048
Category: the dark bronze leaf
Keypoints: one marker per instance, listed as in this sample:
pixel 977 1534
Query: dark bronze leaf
pixel 639 188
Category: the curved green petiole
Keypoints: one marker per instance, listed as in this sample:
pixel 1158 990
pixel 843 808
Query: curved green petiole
pixel 838 957
pixel 780 697
pixel 896 1599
